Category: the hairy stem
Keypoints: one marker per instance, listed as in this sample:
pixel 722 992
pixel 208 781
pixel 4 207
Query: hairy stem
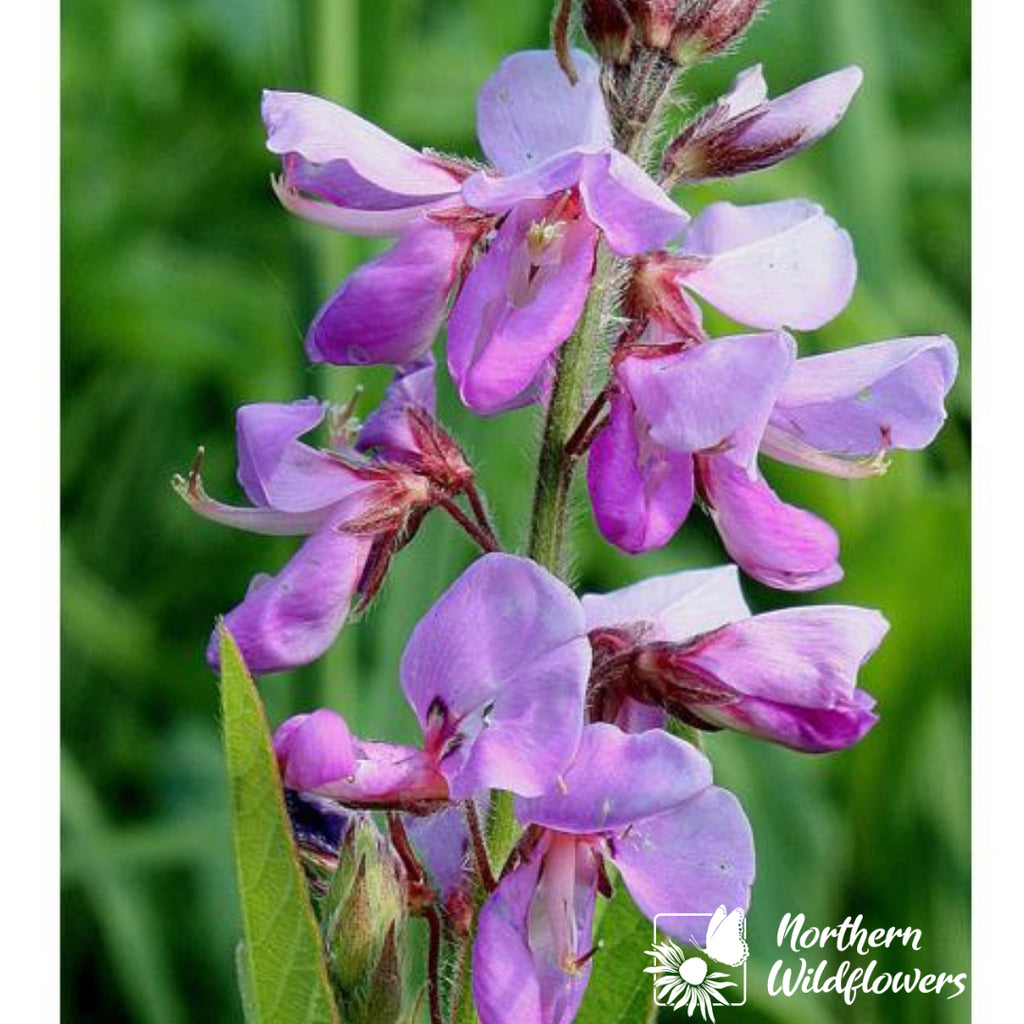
pixel 568 397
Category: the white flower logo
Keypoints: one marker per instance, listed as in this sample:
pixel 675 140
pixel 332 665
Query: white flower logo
pixel 687 981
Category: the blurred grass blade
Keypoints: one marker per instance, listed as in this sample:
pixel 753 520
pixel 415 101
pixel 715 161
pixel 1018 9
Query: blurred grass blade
pixel 286 975
pixel 128 926
pixel 619 991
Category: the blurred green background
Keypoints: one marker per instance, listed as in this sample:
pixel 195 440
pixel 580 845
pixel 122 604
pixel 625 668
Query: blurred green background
pixel 185 293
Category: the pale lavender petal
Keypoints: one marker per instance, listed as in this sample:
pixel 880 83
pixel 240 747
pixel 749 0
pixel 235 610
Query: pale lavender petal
pixel 495 193
pixel 527 111
pixel 806 114
pixel 858 403
pixel 784 264
pixel 369 223
pixel 517 306
pixel 323 133
pixel 386 429
pixel 267 521
pixel 276 470
pixel 390 309
pixel 629 207
pixel 290 619
pixel 677 607
pixel 314 749
pixel 496 672
pixel 698 398
pixel 617 778
pixel 641 492
pixel 749 90
pixel 778 544
pixel 688 860
pixel 806 656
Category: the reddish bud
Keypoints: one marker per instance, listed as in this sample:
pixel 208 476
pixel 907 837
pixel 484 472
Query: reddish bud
pixel 706 27
pixel 610 29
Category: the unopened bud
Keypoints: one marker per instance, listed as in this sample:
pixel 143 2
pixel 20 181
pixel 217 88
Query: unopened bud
pixel 704 28
pixel 364 923
pixel 609 28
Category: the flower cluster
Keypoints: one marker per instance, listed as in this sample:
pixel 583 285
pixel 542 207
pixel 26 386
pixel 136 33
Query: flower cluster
pixel 571 725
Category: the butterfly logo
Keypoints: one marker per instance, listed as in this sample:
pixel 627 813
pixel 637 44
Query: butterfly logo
pixel 682 981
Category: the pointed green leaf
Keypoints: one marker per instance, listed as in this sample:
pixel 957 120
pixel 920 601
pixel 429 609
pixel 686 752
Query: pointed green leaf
pixel 285 976
pixel 619 991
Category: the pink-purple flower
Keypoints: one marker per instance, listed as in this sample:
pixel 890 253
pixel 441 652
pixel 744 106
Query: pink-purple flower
pixel 353 502
pixel 643 802
pixel 554 185
pixel 689 414
pixel 496 673
pixel 687 643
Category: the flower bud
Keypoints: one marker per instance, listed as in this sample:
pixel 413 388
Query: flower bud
pixel 704 28
pixel 609 28
pixel 364 920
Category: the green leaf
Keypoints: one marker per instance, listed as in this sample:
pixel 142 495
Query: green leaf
pixel 619 991
pixel 286 977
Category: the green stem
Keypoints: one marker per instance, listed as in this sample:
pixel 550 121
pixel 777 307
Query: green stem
pixel 568 401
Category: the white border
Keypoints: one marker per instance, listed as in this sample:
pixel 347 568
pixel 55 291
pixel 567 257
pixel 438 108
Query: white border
pixel 998 502
pixel 29 298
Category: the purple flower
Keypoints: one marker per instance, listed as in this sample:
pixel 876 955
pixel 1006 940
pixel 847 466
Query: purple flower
pixel 496 673
pixel 350 506
pixel 745 131
pixel 688 643
pixel 646 803
pixel 556 184
pixel 688 417
pixel 781 264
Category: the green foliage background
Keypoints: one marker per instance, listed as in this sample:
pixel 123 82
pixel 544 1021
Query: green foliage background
pixel 185 292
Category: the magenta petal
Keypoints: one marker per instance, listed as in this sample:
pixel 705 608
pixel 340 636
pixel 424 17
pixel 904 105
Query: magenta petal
pixel 290 619
pixel 688 860
pixel 276 470
pixel 385 773
pixel 675 607
pixel 697 399
pixel 390 309
pixel 616 778
pixel 784 264
pixel 322 133
pixel 778 544
pixel 314 749
pixel 387 429
pixel 640 491
pixel 538 918
pixel 805 656
pixel 630 208
pixel 505 982
pixel 516 308
pixel 496 672
pixel 858 403
pixel 527 111
pixel 809 730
